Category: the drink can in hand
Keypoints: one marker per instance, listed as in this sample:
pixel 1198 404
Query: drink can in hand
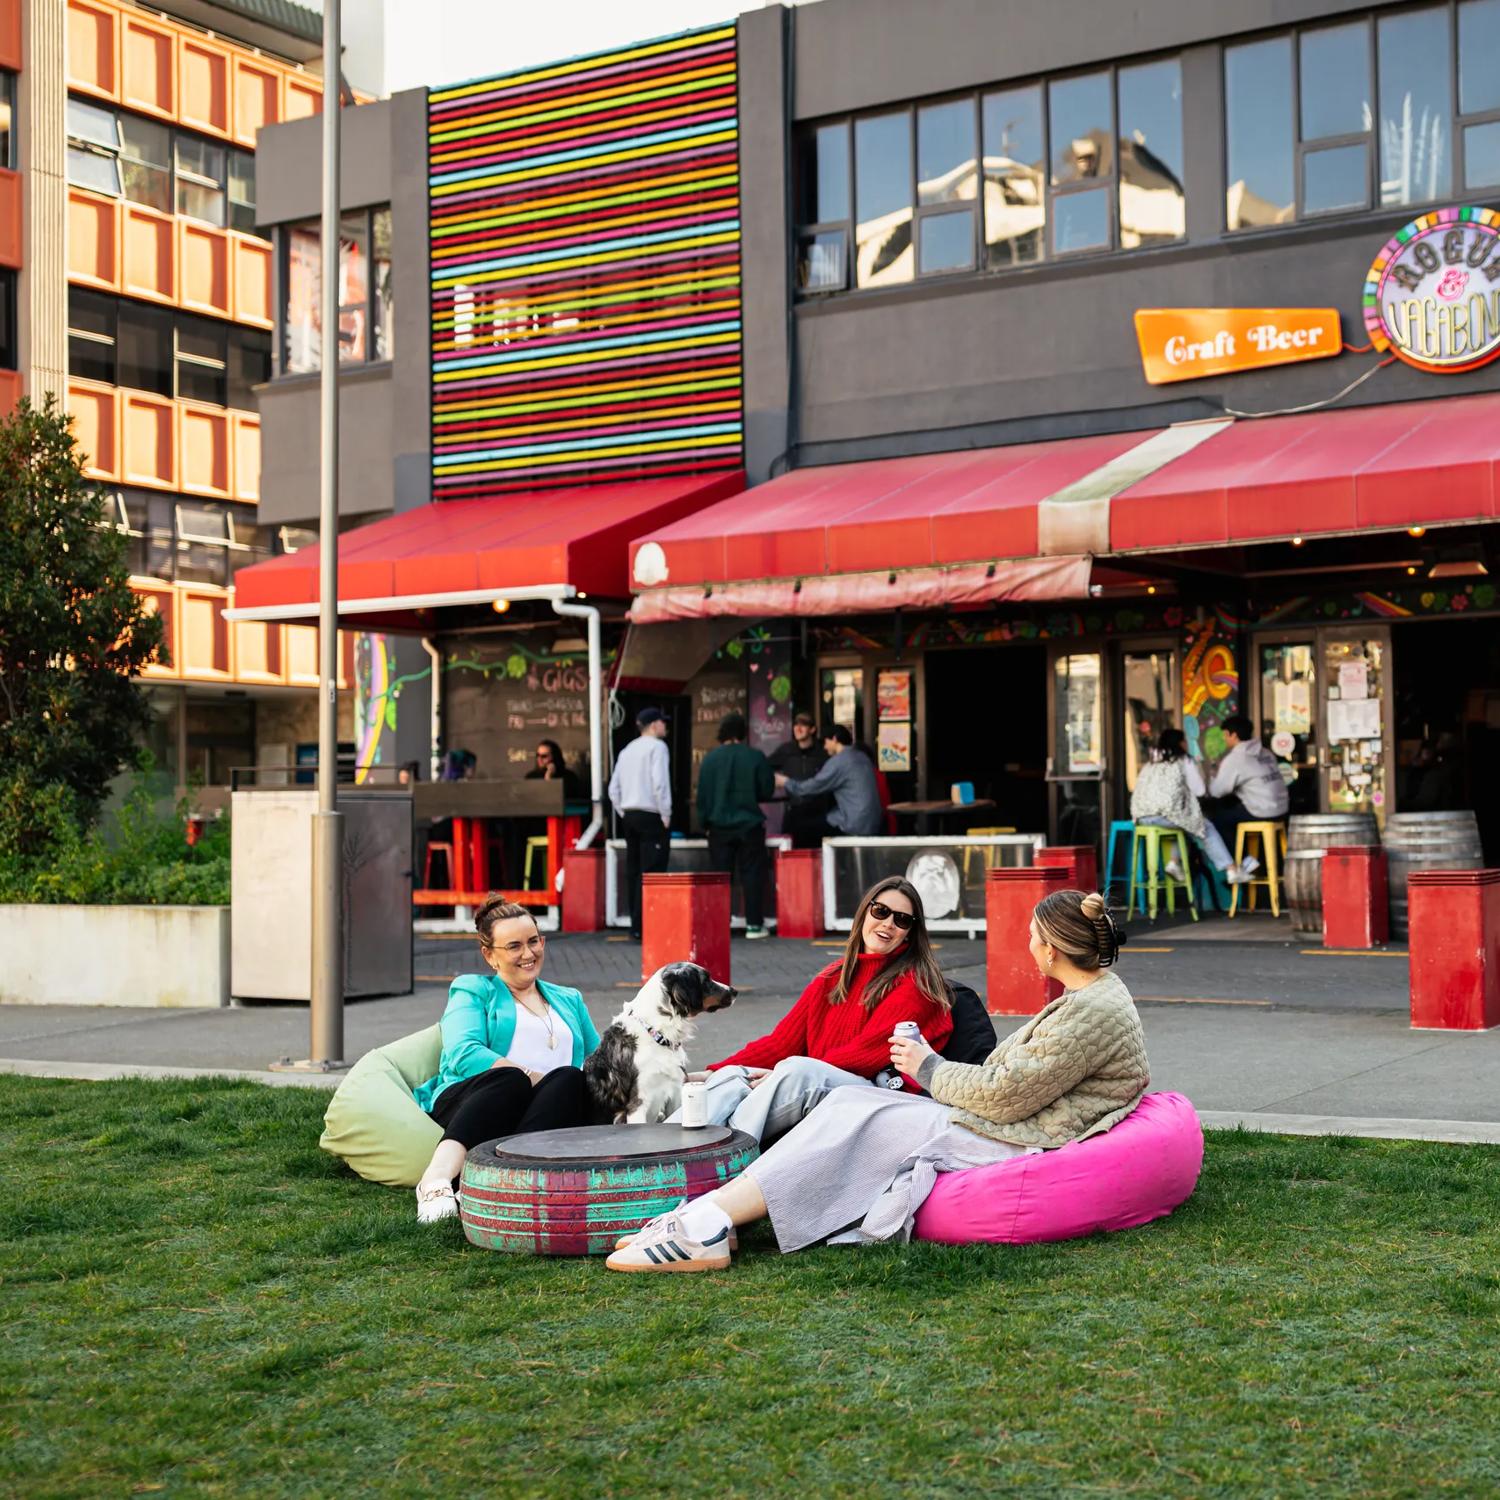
pixel 694 1106
pixel 907 1031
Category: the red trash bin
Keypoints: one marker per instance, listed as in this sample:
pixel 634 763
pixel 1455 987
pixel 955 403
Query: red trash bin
pixel 685 919
pixel 1011 978
pixel 1081 861
pixel 799 893
pixel 1356 903
pixel 583 891
pixel 1455 949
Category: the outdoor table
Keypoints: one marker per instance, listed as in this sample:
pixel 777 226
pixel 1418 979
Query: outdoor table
pixel 575 1192
pixel 924 812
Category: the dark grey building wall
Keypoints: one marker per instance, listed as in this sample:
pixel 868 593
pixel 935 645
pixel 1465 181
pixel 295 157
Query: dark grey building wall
pixel 384 409
pixel 1049 351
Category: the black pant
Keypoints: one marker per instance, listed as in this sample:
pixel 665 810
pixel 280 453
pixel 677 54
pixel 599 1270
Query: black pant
pixel 742 852
pixel 504 1101
pixel 803 822
pixel 648 846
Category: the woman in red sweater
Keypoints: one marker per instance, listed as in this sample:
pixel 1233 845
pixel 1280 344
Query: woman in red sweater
pixel 839 1032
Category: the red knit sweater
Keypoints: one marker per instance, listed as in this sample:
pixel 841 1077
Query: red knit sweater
pixel 847 1035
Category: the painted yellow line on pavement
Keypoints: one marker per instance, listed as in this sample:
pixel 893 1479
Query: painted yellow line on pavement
pixel 1132 948
pixel 1355 953
pixel 434 978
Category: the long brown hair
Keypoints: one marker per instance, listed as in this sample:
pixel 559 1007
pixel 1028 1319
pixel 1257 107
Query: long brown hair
pixel 916 958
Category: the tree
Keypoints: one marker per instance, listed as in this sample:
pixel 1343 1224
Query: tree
pixel 72 635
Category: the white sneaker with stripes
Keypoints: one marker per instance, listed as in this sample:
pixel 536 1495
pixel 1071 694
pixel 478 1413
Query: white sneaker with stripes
pixel 665 1245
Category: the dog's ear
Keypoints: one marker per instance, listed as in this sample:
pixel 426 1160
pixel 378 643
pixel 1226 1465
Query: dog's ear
pixel 683 988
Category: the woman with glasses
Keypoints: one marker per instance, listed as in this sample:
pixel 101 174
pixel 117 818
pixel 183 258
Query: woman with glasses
pixel 839 1031
pixel 512 1059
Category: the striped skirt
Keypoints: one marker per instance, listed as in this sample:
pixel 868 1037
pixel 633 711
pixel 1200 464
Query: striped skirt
pixel 858 1168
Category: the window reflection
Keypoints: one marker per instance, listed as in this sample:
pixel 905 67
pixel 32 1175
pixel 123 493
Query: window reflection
pixel 1080 221
pixel 945 152
pixel 1335 81
pixel 1151 198
pixel 1416 106
pixel 1482 156
pixel 823 175
pixel 1258 128
pixel 1478 51
pixel 1015 201
pixel 820 262
pixel 1335 180
pixel 882 200
pixel 1082 134
pixel 946 241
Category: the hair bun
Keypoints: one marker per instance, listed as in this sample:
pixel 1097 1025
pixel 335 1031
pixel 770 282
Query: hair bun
pixel 1094 906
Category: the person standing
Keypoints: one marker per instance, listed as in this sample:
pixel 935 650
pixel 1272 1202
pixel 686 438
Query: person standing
pixel 641 793
pixel 732 783
pixel 800 759
pixel 1248 786
pixel 850 778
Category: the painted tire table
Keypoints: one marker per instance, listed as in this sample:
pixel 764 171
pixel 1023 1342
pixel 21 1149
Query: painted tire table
pixel 575 1192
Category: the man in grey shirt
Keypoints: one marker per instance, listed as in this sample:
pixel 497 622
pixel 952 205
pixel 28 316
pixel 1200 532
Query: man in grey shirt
pixel 849 776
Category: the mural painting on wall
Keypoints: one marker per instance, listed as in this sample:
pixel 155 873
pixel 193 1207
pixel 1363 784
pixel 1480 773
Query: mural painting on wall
pixel 585 243
pixel 1210 690
pixel 375 694
pixel 768 668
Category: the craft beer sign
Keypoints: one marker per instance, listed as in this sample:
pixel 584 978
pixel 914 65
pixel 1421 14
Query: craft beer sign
pixel 1189 343
pixel 1432 298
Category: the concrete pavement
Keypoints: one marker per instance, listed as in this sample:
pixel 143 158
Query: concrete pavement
pixel 1254 1031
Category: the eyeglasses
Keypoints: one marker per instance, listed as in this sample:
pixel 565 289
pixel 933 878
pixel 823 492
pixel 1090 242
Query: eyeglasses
pixel 905 920
pixel 535 943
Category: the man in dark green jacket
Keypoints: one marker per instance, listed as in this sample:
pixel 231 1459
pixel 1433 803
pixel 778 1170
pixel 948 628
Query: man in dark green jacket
pixel 732 783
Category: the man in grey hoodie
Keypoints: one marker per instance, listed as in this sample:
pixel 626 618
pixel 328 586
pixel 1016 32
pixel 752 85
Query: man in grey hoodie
pixel 1248 786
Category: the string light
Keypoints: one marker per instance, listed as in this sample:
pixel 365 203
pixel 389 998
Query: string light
pixel 1416 531
pixel 1296 541
pixel 500 605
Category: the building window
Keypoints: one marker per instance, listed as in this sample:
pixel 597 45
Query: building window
pixel 146 162
pixel 118 342
pixel 181 541
pixel 8 153
pixel 9 353
pixel 1339 118
pixel 952 185
pixel 365 306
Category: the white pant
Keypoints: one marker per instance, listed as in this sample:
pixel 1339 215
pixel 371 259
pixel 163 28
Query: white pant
pixel 1212 843
pixel 796 1086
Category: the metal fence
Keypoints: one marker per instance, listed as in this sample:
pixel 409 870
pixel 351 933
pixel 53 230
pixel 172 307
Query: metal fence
pixel 688 855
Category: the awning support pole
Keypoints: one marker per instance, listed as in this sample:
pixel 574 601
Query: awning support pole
pixel 590 614
pixel 435 713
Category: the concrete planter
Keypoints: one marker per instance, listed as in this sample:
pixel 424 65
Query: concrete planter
pixel 172 956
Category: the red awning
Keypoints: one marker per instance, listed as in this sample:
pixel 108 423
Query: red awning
pixel 530 540
pixel 1375 468
pixel 908 532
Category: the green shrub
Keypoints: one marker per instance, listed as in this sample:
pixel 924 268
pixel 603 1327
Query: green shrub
pixel 138 857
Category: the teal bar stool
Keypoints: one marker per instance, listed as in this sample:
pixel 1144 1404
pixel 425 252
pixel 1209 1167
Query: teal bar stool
pixel 1148 869
pixel 1122 829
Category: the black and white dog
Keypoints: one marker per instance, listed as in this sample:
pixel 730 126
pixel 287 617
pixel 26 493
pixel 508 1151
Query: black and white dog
pixel 636 1072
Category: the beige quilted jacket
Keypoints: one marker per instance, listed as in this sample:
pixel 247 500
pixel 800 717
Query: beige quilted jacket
pixel 1074 1069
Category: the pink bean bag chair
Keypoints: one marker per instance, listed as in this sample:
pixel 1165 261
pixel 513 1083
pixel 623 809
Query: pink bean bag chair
pixel 1140 1170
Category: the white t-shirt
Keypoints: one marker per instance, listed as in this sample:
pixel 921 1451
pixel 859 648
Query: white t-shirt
pixel 528 1047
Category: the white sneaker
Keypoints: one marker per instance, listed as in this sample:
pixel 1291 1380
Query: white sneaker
pixel 1174 869
pixel 1249 865
pixel 756 932
pixel 664 1245
pixel 436 1203
pixel 1235 876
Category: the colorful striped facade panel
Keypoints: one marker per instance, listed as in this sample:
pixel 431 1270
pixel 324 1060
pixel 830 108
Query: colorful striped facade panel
pixel 586 270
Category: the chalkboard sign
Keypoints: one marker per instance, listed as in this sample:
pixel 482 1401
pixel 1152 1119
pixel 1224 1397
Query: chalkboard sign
pixel 499 702
pixel 714 692
pixel 770 715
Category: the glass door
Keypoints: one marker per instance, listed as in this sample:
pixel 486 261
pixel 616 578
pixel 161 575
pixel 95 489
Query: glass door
pixel 842 690
pixel 1076 762
pixel 1358 720
pixel 1287 714
pixel 1150 701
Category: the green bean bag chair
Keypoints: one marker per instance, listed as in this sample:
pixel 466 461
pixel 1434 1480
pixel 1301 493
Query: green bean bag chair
pixel 373 1121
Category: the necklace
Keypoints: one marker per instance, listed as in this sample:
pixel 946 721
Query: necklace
pixel 546 1019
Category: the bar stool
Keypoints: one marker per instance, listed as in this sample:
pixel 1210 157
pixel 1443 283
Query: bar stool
pixel 989 855
pixel 1146 863
pixel 1124 828
pixel 537 841
pixel 1272 836
pixel 446 850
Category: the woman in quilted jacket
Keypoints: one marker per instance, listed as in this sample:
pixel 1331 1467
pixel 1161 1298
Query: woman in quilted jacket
pixel 859 1166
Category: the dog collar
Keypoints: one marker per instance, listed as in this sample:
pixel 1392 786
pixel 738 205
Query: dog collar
pixel 659 1039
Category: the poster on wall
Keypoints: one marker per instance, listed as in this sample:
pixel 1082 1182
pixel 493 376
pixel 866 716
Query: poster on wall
pixel 894 746
pixel 893 695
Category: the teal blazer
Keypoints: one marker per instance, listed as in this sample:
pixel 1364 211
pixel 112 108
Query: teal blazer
pixel 480 1021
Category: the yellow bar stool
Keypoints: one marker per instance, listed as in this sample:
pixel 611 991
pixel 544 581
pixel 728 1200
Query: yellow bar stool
pixel 989 855
pixel 539 842
pixel 1148 873
pixel 1272 855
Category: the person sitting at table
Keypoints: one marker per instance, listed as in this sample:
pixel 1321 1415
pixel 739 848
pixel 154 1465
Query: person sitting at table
pixel 1248 786
pixel 839 1031
pixel 550 766
pixel 1166 794
pixel 850 778
pixel 512 1058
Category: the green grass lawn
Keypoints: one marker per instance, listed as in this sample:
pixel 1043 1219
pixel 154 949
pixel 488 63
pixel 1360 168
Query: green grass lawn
pixel 195 1299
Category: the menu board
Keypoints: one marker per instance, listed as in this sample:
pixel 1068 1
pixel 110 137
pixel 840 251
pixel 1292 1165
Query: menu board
pixel 500 705
pixel 716 691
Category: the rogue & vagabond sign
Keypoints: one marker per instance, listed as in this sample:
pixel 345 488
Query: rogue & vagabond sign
pixel 1432 298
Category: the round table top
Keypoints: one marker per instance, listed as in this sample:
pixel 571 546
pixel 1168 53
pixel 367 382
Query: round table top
pixel 609 1142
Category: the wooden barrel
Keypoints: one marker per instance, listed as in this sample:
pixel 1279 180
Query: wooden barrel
pixel 1308 836
pixel 1427 841
pixel 575 1192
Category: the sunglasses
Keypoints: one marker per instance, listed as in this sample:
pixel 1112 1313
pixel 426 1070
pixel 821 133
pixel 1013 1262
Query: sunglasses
pixel 905 920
